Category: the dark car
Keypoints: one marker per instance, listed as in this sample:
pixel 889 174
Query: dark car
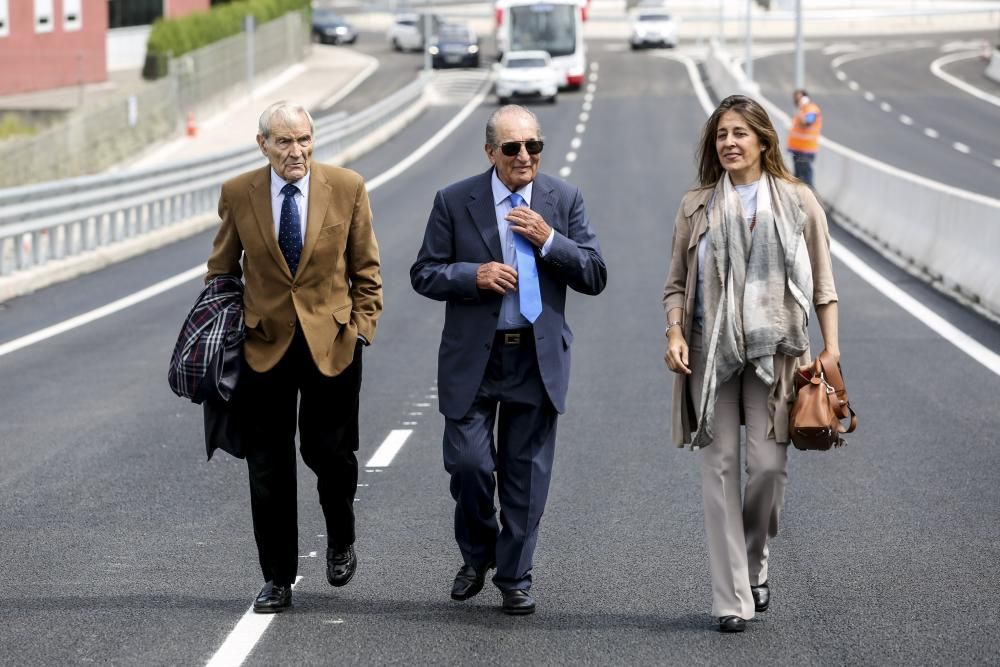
pixel 329 28
pixel 454 46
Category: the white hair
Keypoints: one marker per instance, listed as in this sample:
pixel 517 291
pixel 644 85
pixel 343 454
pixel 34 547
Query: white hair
pixel 286 112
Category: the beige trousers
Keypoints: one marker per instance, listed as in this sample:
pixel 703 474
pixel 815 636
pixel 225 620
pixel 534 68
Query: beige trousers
pixel 738 529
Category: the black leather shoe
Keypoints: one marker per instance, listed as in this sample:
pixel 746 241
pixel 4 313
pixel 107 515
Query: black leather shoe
pixel 469 581
pixel 761 596
pixel 273 599
pixel 340 565
pixel 518 603
pixel 731 624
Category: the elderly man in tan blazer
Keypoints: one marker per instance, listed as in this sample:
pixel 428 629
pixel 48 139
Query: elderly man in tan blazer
pixel 300 234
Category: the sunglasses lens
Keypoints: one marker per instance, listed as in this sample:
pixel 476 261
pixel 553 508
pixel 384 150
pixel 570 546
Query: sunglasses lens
pixel 512 148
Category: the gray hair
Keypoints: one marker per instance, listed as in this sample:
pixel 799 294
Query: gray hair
pixel 287 113
pixel 491 124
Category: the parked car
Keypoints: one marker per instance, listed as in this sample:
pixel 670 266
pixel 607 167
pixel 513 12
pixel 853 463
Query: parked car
pixel 527 74
pixel 407 31
pixel 455 45
pixel 652 27
pixel 329 28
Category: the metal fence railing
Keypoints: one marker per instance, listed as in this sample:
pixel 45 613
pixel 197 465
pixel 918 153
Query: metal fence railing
pixel 59 219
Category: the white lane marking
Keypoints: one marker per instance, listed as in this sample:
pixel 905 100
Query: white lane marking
pixel 885 106
pixel 351 85
pixel 925 315
pixel 841 76
pixel 428 145
pixel 996 163
pixel 587 106
pixel 416 414
pixel 190 274
pixel 853 85
pixel 565 172
pixel 960 147
pixel 922 313
pixel 243 638
pixel 411 423
pixel 595 65
pixel 938 71
pixel 571 157
pixel 594 76
pixel 591 88
pixel 575 143
pixel 584 116
pixel 103 311
pixel 581 128
pixel 869 96
pixel 931 132
pixel 905 120
pixel 387 451
pixel 589 97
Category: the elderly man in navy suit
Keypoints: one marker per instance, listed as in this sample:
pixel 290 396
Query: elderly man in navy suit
pixel 500 249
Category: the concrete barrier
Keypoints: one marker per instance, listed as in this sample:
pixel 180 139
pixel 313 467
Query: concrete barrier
pixel 948 236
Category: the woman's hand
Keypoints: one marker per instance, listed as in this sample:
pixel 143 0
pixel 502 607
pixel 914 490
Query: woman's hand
pixel 676 355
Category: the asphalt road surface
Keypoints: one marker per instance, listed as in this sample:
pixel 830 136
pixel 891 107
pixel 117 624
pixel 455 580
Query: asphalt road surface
pixel 119 544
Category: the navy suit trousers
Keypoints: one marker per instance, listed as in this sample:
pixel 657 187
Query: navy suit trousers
pixel 517 464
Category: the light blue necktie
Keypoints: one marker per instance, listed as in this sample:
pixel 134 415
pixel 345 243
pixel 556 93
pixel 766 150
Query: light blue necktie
pixel 290 228
pixel 529 295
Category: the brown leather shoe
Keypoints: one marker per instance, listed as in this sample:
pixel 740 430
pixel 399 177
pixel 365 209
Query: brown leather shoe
pixel 273 599
pixel 469 581
pixel 340 565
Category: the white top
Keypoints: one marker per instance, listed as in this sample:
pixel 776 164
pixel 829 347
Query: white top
pixel 748 196
pixel 301 200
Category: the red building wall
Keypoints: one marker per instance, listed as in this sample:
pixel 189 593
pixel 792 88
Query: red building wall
pixel 37 61
pixel 175 8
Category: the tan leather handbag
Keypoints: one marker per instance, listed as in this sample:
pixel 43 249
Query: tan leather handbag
pixel 820 405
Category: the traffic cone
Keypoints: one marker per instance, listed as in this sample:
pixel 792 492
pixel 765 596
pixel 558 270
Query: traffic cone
pixel 192 126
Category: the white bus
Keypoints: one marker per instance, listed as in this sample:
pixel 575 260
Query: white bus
pixel 555 26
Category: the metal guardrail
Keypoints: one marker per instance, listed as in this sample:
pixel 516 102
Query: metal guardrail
pixel 60 219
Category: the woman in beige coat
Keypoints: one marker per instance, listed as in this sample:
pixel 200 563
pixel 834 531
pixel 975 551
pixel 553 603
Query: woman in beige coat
pixel 751 255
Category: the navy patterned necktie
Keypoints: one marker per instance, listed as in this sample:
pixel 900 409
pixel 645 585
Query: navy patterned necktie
pixel 529 294
pixel 290 228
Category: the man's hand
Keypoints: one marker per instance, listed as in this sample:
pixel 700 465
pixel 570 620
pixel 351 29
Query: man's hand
pixel 530 225
pixel 496 277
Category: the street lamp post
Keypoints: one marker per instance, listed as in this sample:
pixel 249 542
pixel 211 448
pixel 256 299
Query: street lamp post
pixel 800 58
pixel 748 67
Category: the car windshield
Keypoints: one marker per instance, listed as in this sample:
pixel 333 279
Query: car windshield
pixel 654 17
pixel 454 34
pixel 405 22
pixel 515 63
pixel 543 27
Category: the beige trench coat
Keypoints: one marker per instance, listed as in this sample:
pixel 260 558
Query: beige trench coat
pixel 679 292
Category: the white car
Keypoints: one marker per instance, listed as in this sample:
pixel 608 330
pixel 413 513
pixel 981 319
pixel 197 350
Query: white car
pixel 406 33
pixel 527 74
pixel 652 27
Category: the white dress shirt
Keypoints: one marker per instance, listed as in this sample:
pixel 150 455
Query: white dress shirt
pixel 301 201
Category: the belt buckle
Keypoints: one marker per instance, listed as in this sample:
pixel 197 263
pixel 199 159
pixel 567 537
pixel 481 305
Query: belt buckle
pixel 512 339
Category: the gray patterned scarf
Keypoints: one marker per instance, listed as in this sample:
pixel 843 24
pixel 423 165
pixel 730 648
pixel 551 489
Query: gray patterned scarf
pixel 757 290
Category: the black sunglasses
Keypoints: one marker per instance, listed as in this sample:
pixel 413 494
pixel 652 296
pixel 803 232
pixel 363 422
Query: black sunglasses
pixel 512 148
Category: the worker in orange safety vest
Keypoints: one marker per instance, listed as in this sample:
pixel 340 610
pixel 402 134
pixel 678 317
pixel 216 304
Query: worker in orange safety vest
pixel 803 136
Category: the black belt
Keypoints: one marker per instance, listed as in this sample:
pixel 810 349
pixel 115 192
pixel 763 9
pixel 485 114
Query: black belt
pixel 514 336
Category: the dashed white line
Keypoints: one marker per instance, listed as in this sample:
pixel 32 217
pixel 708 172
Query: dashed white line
pixel 905 120
pixel 595 65
pixel 565 172
pixel 587 106
pixel 571 157
pixel 589 97
pixel 575 143
pixel 243 638
pixel 853 85
pixel 931 132
pixel 841 75
pixel 581 128
pixel 594 76
pixel 996 163
pixel 421 405
pixel 584 116
pixel 869 96
pixel 960 147
pixel 591 88
pixel 387 451
pixel 885 106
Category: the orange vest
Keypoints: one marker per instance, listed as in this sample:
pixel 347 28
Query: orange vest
pixel 803 138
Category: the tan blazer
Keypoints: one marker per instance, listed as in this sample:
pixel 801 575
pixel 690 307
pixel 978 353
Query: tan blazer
pixel 336 293
pixel 682 282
